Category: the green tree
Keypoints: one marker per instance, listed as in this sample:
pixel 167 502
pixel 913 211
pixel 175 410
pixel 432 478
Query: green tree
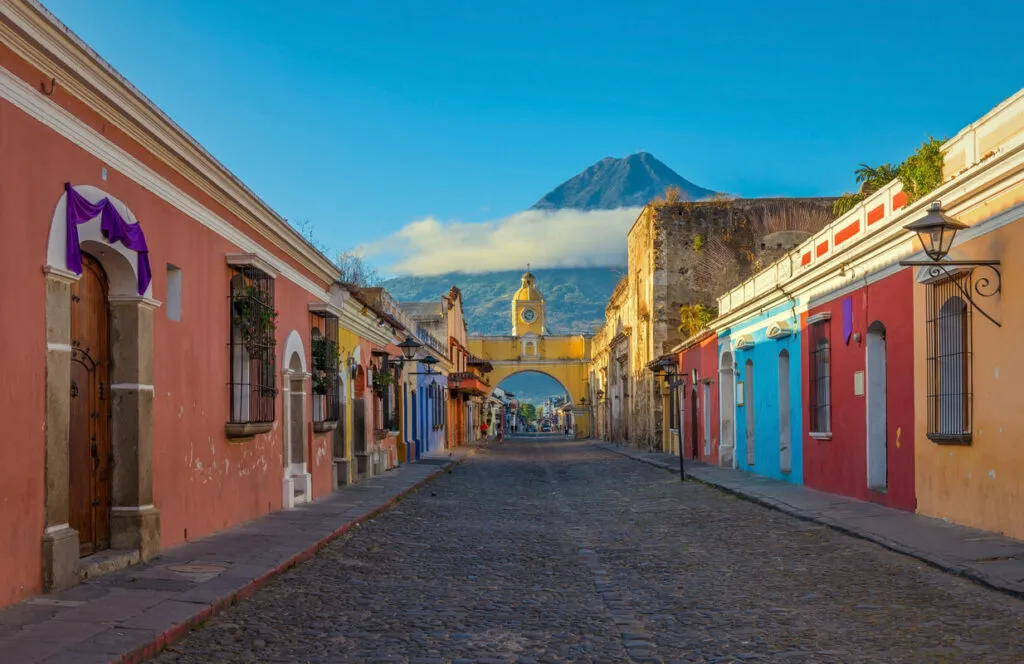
pixel 871 179
pixel 922 171
pixel 693 318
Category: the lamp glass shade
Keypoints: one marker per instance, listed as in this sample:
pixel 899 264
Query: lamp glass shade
pixel 409 347
pixel 936 232
pixel 429 360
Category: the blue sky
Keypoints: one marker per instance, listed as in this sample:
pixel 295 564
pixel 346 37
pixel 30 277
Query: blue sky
pixel 368 118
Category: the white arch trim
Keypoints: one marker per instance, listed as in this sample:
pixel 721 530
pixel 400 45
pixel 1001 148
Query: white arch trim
pixel 292 345
pixel 122 274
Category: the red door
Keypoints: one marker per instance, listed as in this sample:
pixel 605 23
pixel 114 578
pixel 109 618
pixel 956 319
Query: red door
pixel 89 435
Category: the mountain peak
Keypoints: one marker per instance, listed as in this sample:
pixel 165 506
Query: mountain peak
pixel 612 183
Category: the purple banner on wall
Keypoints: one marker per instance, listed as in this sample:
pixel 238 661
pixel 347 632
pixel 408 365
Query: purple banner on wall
pixel 847 319
pixel 113 227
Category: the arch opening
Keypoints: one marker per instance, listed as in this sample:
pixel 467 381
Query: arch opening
pixel 297 484
pixel 542 400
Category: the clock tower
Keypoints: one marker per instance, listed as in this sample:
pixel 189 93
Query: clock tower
pixel 528 308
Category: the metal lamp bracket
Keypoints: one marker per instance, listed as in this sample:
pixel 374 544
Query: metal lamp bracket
pixel 984 286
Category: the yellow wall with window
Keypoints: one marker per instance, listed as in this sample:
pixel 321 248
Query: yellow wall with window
pixel 979 484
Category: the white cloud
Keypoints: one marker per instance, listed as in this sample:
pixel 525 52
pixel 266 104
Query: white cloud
pixel 545 239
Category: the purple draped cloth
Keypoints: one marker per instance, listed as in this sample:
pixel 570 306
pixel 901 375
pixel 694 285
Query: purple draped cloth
pixel 113 227
pixel 847 319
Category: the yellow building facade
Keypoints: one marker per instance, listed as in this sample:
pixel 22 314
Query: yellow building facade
pixel 969 463
pixel 566 358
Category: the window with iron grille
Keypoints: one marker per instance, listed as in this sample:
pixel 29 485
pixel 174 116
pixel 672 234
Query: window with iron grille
pixel 253 323
pixel 819 372
pixel 949 346
pixel 385 379
pixel 325 354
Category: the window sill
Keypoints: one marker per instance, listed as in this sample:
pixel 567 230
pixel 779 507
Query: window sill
pixel 820 435
pixel 246 429
pixel 950 438
pixel 324 427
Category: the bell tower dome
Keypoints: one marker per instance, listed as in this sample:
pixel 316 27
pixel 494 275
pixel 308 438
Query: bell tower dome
pixel 528 308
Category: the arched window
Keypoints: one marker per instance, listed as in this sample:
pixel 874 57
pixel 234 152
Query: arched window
pixel 949 362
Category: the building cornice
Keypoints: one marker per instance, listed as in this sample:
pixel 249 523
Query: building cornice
pixel 38 37
pixel 885 247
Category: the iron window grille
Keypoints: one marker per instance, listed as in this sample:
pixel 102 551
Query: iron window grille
pixel 385 412
pixel 819 371
pixel 325 353
pixel 253 327
pixel 950 351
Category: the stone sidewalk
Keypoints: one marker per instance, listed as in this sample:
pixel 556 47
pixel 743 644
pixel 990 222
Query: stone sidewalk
pixel 988 558
pixel 130 615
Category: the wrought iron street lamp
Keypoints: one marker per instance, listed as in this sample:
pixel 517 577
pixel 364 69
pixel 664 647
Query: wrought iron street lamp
pixel 429 361
pixel 409 348
pixel 936 232
pixel 666 368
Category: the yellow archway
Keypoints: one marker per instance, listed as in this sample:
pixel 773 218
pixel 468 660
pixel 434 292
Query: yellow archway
pixel 566 358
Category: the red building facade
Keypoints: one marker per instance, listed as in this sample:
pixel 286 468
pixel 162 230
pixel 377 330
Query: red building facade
pixel 698 421
pixel 869 453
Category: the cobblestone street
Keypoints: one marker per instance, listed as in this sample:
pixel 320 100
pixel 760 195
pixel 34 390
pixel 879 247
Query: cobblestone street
pixel 554 551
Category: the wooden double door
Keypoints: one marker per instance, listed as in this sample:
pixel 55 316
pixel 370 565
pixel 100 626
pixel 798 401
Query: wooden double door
pixel 90 454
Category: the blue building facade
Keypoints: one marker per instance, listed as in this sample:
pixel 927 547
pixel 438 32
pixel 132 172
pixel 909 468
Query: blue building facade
pixel 764 351
pixel 427 411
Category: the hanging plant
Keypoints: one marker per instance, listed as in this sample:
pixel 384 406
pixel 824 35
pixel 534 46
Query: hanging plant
pixel 255 318
pixel 326 357
pixel 381 380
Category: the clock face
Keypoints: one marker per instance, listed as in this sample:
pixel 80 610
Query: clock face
pixel 529 315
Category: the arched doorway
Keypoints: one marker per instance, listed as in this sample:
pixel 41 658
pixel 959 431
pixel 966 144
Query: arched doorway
pixel 877 443
pixel 694 424
pixel 298 486
pixel 99 367
pixel 748 407
pixel 785 429
pixel 727 399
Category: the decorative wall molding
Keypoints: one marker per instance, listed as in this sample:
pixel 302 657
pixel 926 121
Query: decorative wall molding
pixel 37 36
pixel 40 108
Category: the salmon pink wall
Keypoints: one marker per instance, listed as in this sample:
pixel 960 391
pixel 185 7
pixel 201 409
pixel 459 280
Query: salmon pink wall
pixel 60 96
pixel 25 221
pixel 202 481
pixel 839 465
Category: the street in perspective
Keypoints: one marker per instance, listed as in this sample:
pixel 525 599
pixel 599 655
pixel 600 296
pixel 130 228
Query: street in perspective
pixel 378 332
pixel 541 550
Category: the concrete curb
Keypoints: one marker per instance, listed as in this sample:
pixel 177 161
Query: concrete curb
pixel 926 557
pixel 182 629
